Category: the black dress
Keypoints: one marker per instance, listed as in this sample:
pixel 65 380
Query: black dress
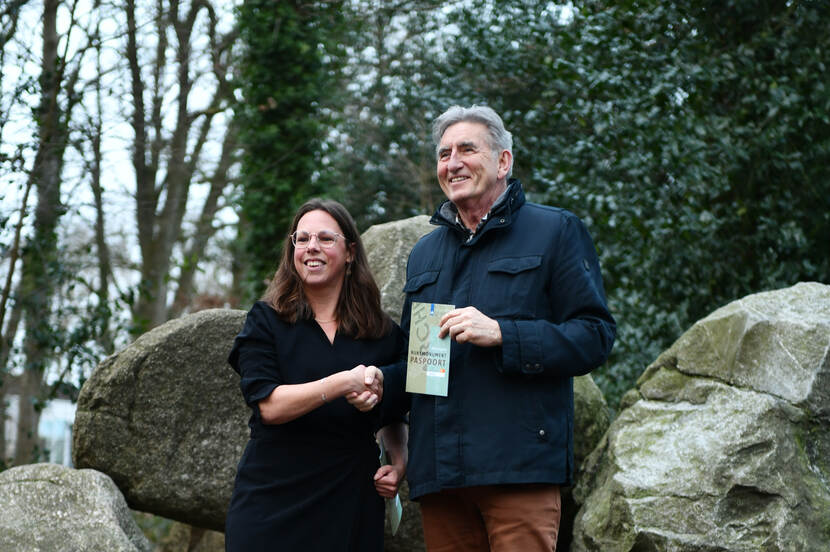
pixel 307 484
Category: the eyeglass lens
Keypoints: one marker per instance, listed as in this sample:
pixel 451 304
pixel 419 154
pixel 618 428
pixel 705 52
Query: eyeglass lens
pixel 325 238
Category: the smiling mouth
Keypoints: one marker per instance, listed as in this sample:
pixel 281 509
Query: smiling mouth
pixel 457 179
pixel 314 263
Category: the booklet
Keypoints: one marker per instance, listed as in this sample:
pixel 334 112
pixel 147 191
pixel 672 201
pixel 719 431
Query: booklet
pixel 428 361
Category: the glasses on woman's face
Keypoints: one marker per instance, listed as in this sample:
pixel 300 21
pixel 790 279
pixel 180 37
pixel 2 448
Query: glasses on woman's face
pixel 325 238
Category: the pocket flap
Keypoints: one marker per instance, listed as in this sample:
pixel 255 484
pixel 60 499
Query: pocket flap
pixel 514 265
pixel 416 282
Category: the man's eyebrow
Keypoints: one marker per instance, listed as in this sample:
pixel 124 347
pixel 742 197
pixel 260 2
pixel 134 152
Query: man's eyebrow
pixel 464 144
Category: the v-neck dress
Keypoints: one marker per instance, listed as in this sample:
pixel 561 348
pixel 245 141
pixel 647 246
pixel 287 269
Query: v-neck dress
pixel 307 484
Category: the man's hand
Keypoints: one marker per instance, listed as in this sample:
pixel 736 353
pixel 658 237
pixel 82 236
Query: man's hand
pixel 469 325
pixel 368 387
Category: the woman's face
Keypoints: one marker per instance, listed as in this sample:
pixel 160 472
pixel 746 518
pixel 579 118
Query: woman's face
pixel 320 267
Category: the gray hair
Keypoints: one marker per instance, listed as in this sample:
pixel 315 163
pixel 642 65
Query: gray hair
pixel 498 138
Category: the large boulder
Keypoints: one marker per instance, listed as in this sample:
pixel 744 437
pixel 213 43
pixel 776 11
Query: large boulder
pixel 387 247
pixel 166 420
pixel 725 442
pixel 46 507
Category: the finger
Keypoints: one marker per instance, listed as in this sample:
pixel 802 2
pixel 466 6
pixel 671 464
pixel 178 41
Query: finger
pixel 385 493
pixel 448 327
pixel 383 471
pixel 456 330
pixel 451 314
pixel 448 321
pixel 388 483
pixel 362 400
pixel 369 403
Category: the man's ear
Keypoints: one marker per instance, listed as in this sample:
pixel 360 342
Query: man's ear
pixel 505 160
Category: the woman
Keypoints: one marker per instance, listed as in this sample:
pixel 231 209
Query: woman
pixel 309 478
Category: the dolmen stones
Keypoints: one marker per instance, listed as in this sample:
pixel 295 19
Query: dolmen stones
pixel 724 445
pixel 47 507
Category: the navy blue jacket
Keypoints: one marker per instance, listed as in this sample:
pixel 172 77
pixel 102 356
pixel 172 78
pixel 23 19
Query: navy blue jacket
pixel 508 416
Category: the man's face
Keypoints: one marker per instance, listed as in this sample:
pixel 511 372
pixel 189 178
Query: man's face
pixel 469 172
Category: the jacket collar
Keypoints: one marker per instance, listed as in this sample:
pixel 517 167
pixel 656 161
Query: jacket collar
pixel 500 214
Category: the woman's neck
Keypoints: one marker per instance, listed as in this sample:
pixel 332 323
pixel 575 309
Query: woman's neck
pixel 323 303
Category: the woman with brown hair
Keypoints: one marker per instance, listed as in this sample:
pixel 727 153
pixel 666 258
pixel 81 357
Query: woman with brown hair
pixel 309 478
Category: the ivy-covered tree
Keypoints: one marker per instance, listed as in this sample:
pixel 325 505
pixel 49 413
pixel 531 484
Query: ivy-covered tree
pixel 288 67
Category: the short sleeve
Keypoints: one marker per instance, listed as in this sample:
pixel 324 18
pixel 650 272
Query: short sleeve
pixel 254 355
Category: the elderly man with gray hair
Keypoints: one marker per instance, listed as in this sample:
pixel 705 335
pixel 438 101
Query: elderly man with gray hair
pixel 486 462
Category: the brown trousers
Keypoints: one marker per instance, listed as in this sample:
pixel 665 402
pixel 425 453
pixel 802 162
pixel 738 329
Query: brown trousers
pixel 495 518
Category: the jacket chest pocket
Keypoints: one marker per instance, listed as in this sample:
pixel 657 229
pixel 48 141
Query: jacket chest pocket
pixel 514 287
pixel 421 286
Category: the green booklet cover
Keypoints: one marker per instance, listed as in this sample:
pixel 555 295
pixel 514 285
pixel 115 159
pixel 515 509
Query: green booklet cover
pixel 428 361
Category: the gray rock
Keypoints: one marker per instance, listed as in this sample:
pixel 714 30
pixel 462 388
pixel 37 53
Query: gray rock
pixel 591 420
pixel 46 507
pixel 166 420
pixel 387 246
pixel 725 443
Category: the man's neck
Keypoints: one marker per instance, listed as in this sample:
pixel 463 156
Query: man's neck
pixel 471 214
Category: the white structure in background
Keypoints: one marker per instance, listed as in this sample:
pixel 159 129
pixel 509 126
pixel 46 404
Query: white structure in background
pixel 54 429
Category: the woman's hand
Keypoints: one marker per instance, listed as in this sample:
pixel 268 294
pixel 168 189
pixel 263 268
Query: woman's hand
pixel 387 480
pixel 393 438
pixel 367 387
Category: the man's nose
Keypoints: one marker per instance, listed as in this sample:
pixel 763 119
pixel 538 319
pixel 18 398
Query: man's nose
pixel 454 162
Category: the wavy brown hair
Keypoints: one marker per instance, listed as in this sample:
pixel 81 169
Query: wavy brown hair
pixel 358 308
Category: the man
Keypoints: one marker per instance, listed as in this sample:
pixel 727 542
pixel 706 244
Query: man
pixel 486 461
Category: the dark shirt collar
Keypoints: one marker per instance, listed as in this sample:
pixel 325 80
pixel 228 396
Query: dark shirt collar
pixel 449 212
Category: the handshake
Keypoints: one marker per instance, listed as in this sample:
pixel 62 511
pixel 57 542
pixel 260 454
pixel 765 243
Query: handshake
pixel 366 384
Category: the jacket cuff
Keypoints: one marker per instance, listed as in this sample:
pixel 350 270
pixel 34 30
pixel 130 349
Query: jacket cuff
pixel 521 347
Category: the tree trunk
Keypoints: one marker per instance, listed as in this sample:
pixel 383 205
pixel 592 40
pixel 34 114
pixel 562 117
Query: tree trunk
pixel 37 283
pixel 173 153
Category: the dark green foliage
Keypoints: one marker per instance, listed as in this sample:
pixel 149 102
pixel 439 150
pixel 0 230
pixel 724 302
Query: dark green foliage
pixel 287 67
pixel 693 138
pixel 380 162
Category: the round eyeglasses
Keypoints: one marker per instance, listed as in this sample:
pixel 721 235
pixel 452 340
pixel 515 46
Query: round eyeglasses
pixel 325 238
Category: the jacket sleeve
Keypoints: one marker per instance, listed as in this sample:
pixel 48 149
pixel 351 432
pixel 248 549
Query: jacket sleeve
pixel 581 334
pixel 395 403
